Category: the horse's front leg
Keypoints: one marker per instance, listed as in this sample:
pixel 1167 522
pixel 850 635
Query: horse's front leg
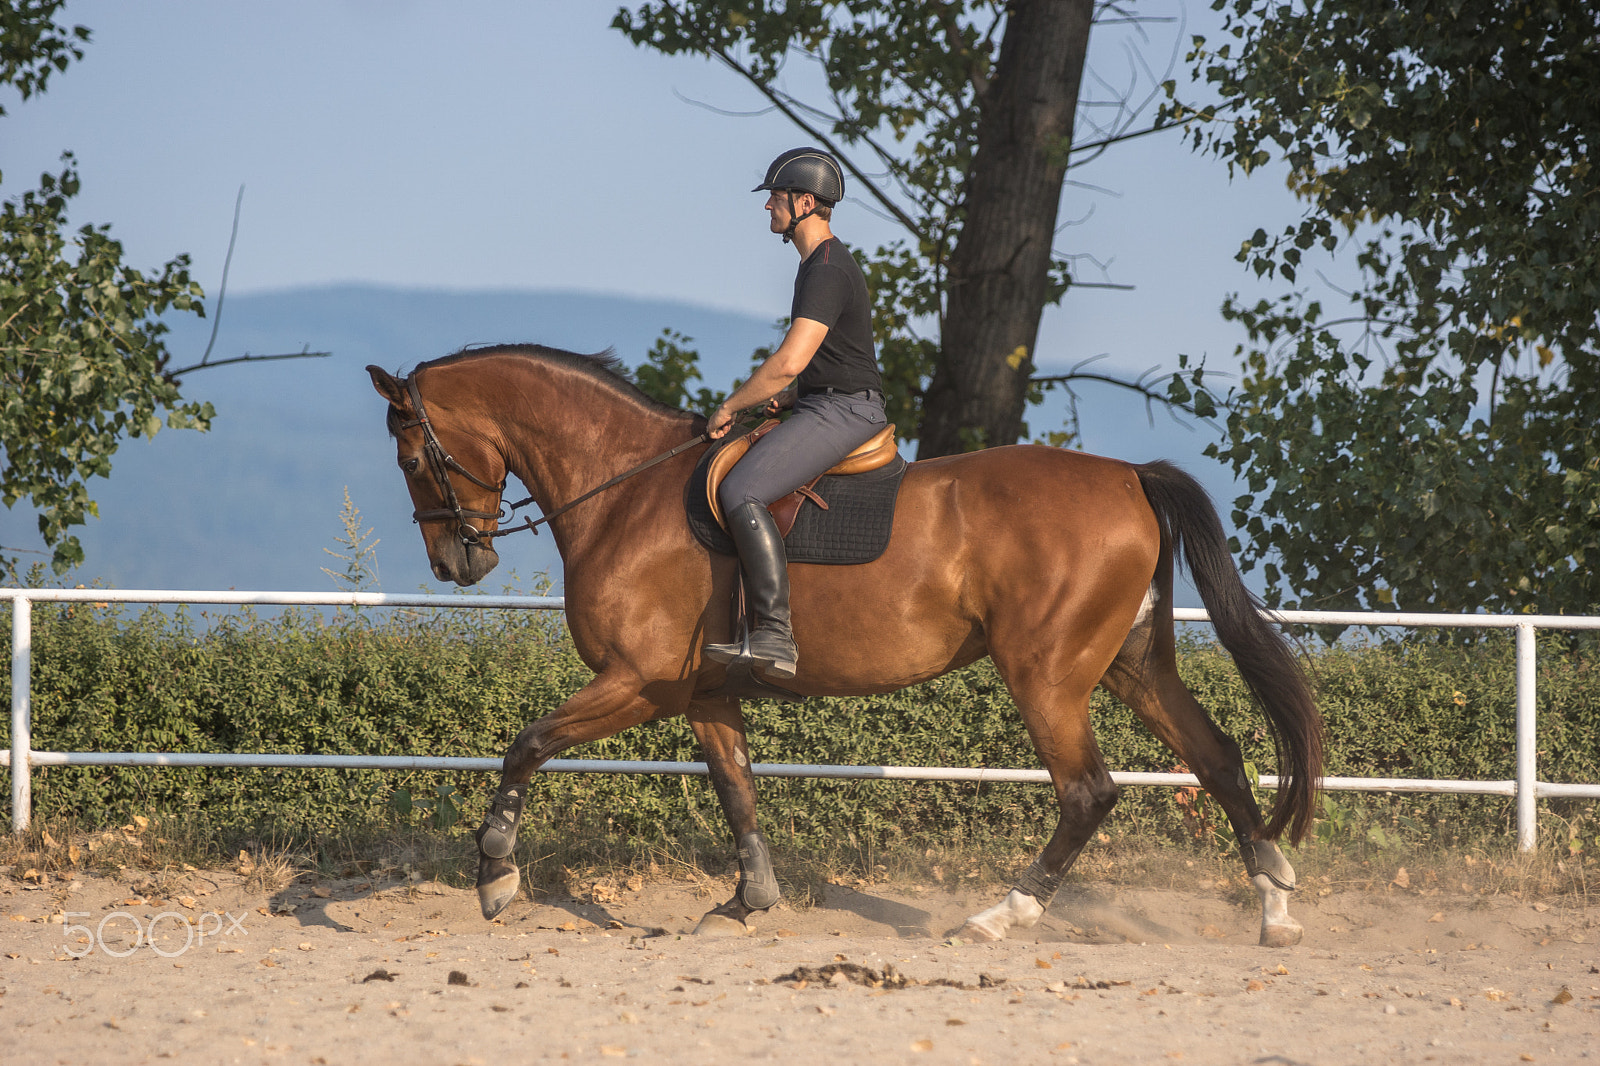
pixel 607 705
pixel 719 727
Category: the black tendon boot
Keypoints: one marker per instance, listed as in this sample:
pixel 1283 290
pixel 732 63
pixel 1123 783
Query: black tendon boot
pixel 766 585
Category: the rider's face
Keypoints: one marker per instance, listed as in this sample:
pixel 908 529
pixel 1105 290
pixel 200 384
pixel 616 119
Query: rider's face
pixel 778 212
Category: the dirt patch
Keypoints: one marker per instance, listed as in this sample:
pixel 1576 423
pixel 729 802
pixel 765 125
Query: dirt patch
pixel 199 968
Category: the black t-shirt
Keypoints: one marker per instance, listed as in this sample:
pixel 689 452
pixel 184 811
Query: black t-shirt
pixel 831 289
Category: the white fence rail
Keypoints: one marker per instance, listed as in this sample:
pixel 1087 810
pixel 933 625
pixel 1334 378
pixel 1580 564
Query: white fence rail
pixel 21 757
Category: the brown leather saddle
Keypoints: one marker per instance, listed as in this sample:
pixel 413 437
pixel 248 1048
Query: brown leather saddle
pixel 875 454
pixel 879 451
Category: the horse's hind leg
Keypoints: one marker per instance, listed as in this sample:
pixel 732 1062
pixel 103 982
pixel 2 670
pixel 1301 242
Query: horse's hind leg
pixel 1145 677
pixel 1064 740
pixel 719 727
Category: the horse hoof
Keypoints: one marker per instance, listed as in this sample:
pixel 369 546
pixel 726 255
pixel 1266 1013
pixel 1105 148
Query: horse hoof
pixel 979 934
pixel 1281 936
pixel 495 896
pixel 714 924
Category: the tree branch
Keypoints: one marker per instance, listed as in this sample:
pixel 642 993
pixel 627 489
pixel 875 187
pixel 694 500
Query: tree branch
pixel 305 353
pixel 1139 385
pixel 222 290
pixel 782 104
pixel 715 110
pixel 1119 138
pixel 216 318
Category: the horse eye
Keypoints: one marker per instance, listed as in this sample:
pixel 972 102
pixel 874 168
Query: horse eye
pixel 409 466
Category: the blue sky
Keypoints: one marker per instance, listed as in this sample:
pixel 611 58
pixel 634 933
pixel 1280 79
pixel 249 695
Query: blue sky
pixel 528 146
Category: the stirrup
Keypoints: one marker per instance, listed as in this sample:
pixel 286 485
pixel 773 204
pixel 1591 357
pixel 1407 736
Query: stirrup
pixel 742 679
pixel 778 662
pixel 728 654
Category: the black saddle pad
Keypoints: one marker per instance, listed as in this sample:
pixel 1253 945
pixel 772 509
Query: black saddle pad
pixel 854 529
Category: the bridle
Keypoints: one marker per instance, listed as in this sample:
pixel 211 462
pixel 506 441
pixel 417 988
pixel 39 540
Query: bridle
pixel 441 462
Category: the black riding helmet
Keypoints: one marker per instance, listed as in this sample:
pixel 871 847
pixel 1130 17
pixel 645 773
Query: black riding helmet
pixel 804 170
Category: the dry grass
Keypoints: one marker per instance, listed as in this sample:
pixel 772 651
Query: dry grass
pixel 591 866
pixel 58 847
pixel 268 870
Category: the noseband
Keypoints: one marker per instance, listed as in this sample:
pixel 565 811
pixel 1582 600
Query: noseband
pixel 441 462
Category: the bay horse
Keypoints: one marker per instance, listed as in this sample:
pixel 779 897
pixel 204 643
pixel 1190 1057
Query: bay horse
pixel 1056 564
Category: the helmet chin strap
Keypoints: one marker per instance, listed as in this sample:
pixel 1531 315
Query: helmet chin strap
pixel 795 220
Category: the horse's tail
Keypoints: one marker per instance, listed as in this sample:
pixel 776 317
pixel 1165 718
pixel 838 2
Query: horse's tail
pixel 1262 654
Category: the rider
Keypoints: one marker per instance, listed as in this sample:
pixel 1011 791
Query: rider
pixel 826 369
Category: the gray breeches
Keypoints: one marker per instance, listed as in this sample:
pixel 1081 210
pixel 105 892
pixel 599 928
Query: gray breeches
pixel 824 428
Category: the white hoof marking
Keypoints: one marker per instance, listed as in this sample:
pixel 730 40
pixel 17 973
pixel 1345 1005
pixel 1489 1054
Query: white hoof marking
pixel 1278 930
pixel 1018 910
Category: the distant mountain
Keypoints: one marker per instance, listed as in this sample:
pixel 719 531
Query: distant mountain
pixel 254 503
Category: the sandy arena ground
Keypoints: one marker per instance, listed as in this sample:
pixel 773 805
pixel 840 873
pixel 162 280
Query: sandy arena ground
pixel 353 971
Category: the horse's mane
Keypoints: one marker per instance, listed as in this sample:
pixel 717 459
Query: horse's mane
pixel 604 367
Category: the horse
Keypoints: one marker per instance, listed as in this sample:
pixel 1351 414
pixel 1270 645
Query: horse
pixel 1056 564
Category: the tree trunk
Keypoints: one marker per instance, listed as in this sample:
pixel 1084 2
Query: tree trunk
pixel 999 270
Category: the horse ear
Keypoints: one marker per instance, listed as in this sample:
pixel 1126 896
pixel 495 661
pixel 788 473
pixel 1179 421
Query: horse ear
pixel 388 387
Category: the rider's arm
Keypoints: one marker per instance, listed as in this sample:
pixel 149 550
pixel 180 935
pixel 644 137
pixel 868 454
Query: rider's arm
pixel 805 336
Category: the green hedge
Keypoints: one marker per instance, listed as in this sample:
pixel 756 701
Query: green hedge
pixel 464 682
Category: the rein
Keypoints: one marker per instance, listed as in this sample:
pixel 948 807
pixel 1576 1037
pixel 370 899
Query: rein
pixel 440 463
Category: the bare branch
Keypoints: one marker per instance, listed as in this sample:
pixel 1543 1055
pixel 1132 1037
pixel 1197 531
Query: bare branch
pixel 1069 223
pixel 715 110
pixel 216 319
pixel 1119 138
pixel 1139 385
pixel 1134 21
pixel 222 291
pixel 870 209
pixel 893 167
pixel 305 353
pixel 1089 186
pixel 782 103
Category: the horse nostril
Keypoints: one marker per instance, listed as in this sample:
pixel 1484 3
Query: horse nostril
pixel 441 571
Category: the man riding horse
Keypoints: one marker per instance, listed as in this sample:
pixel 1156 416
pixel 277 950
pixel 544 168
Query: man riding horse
pixel 826 369
pixel 1055 564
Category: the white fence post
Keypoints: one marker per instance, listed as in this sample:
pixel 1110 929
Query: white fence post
pixel 21 716
pixel 1527 737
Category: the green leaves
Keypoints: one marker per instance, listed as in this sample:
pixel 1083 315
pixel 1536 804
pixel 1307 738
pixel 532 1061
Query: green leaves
pixel 32 46
pixel 1430 450
pixel 905 79
pixel 463 683
pixel 82 363
pixel 81 358
pixel 914 92
pixel 669 367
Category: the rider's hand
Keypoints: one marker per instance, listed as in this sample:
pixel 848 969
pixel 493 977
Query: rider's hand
pixel 771 408
pixel 719 423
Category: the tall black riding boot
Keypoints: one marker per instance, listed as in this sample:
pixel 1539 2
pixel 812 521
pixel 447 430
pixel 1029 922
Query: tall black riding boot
pixel 766 586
